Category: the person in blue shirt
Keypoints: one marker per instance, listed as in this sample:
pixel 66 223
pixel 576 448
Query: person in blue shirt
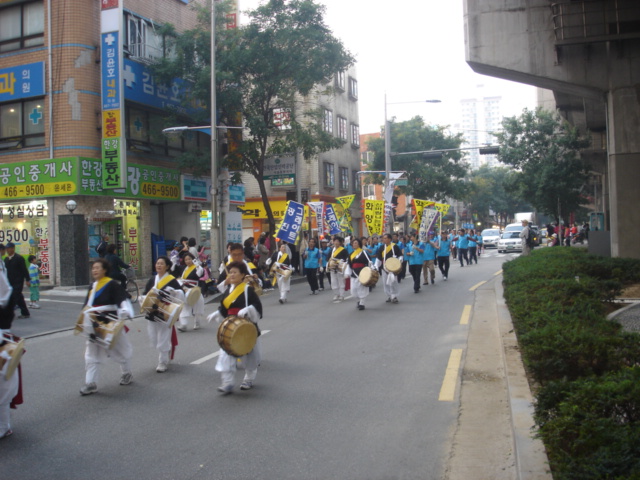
pixel 429 258
pixel 480 243
pixel 462 245
pixel 325 251
pixel 473 247
pixel 312 258
pixel 413 251
pixel 444 253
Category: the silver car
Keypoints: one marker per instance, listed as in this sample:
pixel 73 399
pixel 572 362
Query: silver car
pixel 510 242
pixel 490 237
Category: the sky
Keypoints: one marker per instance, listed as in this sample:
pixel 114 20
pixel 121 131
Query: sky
pixel 412 51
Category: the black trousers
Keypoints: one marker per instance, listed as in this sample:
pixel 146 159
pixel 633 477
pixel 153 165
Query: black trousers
pixel 416 272
pixel 18 299
pixel 312 278
pixel 443 265
pixel 472 254
pixel 462 253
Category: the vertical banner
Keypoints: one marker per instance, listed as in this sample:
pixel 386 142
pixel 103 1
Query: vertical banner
pixel 332 220
pixel 114 150
pixel 374 216
pixel 345 203
pixel 429 219
pixel 318 211
pixel 291 223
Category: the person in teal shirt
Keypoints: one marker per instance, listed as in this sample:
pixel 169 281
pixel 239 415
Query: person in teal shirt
pixel 312 258
pixel 473 247
pixel 414 251
pixel 429 258
pixel 34 282
pixel 444 254
pixel 325 251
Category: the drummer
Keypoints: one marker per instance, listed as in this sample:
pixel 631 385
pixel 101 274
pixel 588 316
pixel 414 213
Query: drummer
pixel 188 276
pixel 338 254
pixel 389 280
pixel 241 300
pixel 282 262
pixel 236 254
pixel 108 300
pixel 10 390
pixel 357 261
pixel 163 339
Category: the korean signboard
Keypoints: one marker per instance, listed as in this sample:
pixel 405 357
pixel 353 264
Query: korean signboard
pixel 23 81
pixel 291 223
pixel 279 167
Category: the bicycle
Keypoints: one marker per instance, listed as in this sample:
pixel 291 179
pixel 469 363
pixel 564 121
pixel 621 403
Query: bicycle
pixel 132 287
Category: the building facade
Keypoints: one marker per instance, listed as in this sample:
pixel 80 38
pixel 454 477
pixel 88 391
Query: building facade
pixel 480 117
pixel 55 68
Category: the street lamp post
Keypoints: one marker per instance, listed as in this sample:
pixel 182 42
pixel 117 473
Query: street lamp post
pixel 387 147
pixel 215 239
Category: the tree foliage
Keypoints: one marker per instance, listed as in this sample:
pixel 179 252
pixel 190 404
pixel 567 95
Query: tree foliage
pixel 545 151
pixel 428 178
pixel 279 60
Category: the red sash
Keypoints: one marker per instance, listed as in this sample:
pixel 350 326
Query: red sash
pixel 233 311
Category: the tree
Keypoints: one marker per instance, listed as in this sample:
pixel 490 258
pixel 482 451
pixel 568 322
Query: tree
pixel 489 189
pixel 545 151
pixel 433 178
pixel 276 63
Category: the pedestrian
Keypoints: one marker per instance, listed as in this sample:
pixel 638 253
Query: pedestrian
pixel 389 279
pixel 462 246
pixel 18 274
pixel 312 257
pixel 34 282
pixel 281 265
pixel 414 251
pixel 115 266
pixel 188 276
pixel 162 334
pixel 429 258
pixel 242 301
pixel 337 265
pixel 524 235
pixel 105 300
pixel 263 251
pixel 444 254
pixel 473 247
pixel 101 248
pixel 302 247
pixel 325 252
pixel 193 250
pixel 11 388
pixel 358 260
pixel 249 250
pixel 175 253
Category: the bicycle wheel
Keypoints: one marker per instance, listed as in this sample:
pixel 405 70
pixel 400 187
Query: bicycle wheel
pixel 132 290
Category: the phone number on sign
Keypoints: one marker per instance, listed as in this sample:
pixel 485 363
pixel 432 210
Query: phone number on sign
pixel 38 189
pixel 159 190
pixel 14 235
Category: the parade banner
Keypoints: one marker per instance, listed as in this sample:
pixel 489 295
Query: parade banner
pixel 429 219
pixel 318 210
pixel 374 216
pixel 332 220
pixel 291 223
pixel 443 208
pixel 345 203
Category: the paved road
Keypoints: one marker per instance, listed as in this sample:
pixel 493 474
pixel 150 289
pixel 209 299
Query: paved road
pixel 341 394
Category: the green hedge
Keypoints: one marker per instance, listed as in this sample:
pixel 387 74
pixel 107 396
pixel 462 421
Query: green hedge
pixel 585 367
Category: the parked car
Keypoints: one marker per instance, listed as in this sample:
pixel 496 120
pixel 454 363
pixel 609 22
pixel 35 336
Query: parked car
pixel 490 237
pixel 510 242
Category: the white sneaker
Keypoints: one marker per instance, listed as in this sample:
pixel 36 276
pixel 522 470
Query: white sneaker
pixel 335 297
pixel 88 389
pixel 196 326
pixel 161 368
pixel 35 305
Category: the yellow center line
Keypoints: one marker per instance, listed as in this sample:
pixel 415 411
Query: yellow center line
pixel 477 285
pixel 499 272
pixel 448 389
pixel 466 314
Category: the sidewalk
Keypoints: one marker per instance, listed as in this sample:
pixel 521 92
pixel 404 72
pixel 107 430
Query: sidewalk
pixel 493 438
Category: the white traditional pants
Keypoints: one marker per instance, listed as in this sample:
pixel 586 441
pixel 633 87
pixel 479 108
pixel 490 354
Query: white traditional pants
pixel 95 355
pixel 227 365
pixel 284 285
pixel 337 283
pixel 197 312
pixel 160 336
pixel 359 290
pixel 8 390
pixel 390 282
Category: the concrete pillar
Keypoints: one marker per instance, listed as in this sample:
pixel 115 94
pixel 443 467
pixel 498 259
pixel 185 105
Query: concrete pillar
pixel 623 124
pixel 74 250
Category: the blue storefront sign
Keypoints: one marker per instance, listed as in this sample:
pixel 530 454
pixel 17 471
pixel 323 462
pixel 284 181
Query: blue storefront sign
pixel 141 87
pixel 110 71
pixel 23 81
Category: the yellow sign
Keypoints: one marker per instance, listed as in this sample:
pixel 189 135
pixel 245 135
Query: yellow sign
pixel 255 209
pixel 160 190
pixel 38 189
pixel 111 124
pixel 374 216
pixel 346 201
pixel 7 82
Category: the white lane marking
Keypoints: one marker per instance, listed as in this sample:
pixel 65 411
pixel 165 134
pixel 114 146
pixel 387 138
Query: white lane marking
pixel 61 301
pixel 216 354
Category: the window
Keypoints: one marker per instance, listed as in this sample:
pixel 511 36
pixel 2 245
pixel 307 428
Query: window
pixel 342 128
pixel 143 42
pixel 329 175
pixel 353 88
pixel 340 81
pixel 370 191
pixel 21 124
pixel 21 26
pixel 327 121
pixel 344 178
pixel 144 134
pixel 355 135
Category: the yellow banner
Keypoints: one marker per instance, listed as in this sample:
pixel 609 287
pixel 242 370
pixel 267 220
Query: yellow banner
pixel 255 209
pixel 374 216
pixel 346 201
